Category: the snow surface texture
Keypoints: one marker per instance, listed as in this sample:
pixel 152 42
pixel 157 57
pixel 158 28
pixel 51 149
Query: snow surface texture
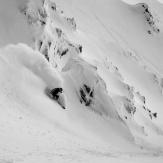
pixel 106 55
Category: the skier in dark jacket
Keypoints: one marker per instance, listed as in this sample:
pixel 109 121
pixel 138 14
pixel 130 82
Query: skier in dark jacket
pixel 57 95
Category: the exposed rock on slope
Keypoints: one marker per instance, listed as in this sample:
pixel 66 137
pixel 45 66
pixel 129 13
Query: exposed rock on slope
pixel 150 18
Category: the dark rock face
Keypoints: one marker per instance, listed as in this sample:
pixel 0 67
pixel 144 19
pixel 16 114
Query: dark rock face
pixel 86 94
pixel 150 19
pixel 61 52
pixel 80 48
pixel 149 112
pixel 155 115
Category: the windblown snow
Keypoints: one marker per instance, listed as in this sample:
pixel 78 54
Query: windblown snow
pixel 81 81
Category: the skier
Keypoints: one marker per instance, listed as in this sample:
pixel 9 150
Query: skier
pixel 57 95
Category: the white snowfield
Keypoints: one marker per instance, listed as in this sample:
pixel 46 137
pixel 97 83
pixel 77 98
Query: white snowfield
pixel 106 55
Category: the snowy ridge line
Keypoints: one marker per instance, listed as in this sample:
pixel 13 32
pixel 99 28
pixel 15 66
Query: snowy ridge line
pixel 139 1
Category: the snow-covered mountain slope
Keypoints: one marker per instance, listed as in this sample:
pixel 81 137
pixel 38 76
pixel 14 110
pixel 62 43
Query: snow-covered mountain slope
pixel 105 57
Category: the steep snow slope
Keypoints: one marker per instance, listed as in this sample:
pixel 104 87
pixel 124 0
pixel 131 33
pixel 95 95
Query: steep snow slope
pixel 110 70
pixel 115 36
